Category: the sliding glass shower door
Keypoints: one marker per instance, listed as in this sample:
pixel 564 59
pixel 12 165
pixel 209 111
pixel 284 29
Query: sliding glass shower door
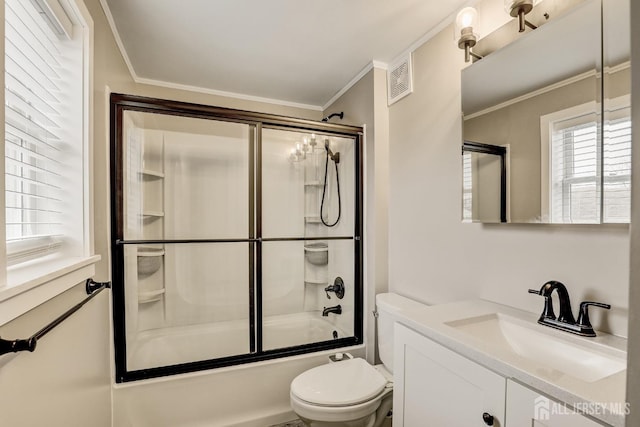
pixel 187 226
pixel 235 238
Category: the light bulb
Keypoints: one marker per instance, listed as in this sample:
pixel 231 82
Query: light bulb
pixel 467 18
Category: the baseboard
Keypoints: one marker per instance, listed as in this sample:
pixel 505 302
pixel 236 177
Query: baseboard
pixel 268 420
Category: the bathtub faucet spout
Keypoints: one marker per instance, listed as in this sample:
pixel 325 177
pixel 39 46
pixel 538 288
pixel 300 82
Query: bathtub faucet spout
pixel 337 310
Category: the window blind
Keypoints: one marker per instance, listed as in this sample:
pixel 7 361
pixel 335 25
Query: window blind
pixel 575 160
pixel 617 167
pixel 467 188
pixel 34 138
pixel 577 163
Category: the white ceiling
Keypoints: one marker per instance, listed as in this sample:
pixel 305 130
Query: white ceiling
pixel 294 51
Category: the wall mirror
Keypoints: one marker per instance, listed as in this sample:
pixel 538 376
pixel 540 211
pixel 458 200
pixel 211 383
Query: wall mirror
pixel 555 103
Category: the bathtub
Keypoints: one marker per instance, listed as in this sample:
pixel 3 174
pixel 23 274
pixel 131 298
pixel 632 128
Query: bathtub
pixel 171 346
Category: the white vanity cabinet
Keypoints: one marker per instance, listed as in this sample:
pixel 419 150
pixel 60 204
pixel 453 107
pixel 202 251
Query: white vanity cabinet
pixel 527 407
pixel 434 386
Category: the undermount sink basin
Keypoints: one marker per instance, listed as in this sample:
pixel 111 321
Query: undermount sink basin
pixel 572 355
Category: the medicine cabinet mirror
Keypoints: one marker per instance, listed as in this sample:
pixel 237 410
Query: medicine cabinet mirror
pixel 556 101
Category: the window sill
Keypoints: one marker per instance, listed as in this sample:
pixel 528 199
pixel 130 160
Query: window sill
pixel 32 284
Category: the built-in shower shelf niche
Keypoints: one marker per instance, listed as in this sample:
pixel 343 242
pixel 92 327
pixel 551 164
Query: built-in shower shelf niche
pixel 149 260
pixel 320 282
pixel 317 253
pixel 144 252
pixel 151 174
pixel 150 296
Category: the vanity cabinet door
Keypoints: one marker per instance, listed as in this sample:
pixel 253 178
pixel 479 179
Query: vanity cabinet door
pixel 433 386
pixel 527 407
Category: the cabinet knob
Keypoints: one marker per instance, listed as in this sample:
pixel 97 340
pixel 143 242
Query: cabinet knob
pixel 487 418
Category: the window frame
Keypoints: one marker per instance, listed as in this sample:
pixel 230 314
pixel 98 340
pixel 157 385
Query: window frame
pixel 546 172
pixel 28 284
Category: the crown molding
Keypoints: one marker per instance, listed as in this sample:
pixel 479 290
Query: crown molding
pixel 234 95
pixel 116 36
pixel 353 81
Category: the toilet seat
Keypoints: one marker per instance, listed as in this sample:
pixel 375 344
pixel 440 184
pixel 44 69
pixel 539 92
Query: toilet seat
pixel 347 383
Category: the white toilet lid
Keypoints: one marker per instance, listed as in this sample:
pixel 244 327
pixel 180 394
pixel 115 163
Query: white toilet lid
pixel 339 384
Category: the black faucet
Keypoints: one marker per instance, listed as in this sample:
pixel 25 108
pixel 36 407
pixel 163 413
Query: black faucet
pixel 337 310
pixel 566 314
pixel 565 321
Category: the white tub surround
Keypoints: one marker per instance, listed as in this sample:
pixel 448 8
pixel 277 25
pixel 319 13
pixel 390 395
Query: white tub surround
pixel 509 342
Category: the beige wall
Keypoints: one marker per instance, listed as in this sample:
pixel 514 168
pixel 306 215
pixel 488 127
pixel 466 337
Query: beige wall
pixel 435 258
pixel 365 104
pixel 66 380
pixel 633 373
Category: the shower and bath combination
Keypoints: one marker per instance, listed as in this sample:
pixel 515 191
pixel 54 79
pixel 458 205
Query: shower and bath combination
pixel 279 245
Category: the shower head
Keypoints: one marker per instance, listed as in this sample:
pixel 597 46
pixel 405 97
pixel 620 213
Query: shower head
pixel 330 116
pixel 334 156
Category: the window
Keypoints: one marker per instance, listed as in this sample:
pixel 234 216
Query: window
pixel 575 165
pixel 588 181
pixel 47 127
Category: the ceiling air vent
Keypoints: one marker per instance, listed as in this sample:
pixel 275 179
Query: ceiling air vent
pixel 399 80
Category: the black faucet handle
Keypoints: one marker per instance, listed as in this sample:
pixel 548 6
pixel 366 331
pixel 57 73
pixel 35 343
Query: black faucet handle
pixel 337 288
pixel 533 291
pixel 583 316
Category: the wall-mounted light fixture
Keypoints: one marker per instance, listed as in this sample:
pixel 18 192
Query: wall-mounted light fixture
pixel 519 8
pixel 466 20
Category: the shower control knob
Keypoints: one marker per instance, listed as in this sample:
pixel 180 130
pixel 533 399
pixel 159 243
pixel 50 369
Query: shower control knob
pixel 487 418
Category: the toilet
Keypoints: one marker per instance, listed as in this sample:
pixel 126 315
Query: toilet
pixel 351 392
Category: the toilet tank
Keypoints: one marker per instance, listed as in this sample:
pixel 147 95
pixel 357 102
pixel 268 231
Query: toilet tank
pixel 390 307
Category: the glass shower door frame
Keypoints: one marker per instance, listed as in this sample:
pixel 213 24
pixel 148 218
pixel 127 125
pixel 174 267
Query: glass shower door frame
pixel 256 121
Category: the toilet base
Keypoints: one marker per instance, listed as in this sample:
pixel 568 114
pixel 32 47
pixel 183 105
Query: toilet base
pixel 367 421
pixel 372 419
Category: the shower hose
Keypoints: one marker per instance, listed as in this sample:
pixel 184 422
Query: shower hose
pixel 324 190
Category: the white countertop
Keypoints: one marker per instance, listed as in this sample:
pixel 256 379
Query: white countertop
pixel 602 394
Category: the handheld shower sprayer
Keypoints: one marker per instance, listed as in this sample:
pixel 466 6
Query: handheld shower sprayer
pixel 336 159
pixel 334 156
